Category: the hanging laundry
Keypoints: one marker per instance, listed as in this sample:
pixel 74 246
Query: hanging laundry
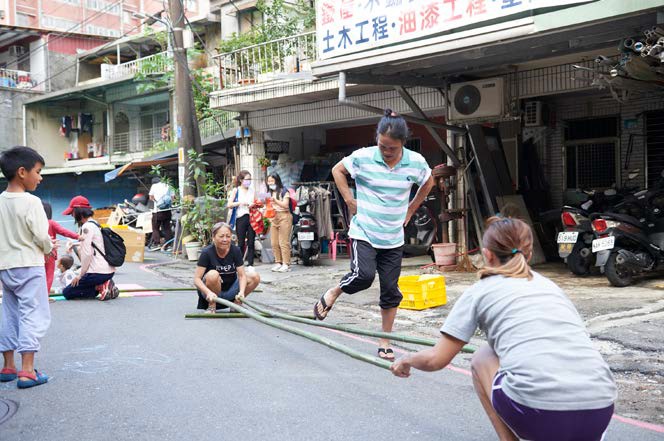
pixel 65 127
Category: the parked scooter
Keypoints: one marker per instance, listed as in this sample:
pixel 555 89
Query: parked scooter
pixel 627 246
pixel 305 244
pixel 575 242
pixel 420 233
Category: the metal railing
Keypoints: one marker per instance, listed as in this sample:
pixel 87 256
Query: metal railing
pixel 135 141
pixel 153 64
pixel 218 124
pixel 265 62
pixel 19 79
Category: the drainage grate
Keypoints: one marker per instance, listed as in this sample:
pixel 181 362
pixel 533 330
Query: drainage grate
pixel 7 409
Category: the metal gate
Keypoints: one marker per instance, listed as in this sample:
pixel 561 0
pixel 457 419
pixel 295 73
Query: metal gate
pixel 654 146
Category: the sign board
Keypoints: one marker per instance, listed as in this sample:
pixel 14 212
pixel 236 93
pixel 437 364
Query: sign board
pixel 347 26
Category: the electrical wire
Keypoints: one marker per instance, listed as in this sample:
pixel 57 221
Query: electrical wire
pixel 76 61
pixel 67 32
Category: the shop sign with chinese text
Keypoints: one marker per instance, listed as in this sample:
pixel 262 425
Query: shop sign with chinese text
pixel 347 26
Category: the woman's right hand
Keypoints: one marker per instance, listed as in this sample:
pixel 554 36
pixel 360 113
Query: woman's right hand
pixel 211 297
pixel 352 206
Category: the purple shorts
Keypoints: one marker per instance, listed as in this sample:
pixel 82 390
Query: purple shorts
pixel 549 425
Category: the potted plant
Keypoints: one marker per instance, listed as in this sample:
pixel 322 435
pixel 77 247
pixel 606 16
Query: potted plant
pixel 264 163
pixel 204 211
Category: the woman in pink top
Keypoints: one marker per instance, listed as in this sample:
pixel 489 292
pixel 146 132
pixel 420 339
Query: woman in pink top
pixel 54 229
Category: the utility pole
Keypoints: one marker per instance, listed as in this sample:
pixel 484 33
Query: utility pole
pixel 186 127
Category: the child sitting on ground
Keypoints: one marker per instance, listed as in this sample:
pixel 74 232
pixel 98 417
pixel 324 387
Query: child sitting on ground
pixel 64 273
pixel 538 377
pixel 24 241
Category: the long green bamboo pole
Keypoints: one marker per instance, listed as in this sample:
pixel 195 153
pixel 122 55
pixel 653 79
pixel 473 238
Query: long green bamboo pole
pixel 397 337
pixel 222 315
pixel 150 290
pixel 308 335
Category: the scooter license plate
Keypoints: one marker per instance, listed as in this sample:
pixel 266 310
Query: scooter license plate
pixel 605 243
pixel 305 235
pixel 568 236
pixel 565 249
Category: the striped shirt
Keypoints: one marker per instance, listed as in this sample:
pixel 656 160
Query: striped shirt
pixel 383 194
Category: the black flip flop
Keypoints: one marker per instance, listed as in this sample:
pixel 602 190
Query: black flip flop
pixel 326 308
pixel 389 354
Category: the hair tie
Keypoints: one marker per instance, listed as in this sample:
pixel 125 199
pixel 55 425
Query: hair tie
pixel 516 250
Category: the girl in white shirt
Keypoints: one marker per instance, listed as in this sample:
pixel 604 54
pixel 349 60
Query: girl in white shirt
pixel 242 198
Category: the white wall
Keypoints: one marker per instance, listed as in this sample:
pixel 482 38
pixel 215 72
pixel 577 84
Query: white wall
pixel 38 60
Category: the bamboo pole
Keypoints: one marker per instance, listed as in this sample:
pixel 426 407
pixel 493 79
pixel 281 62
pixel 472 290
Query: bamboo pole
pixel 397 337
pixel 230 315
pixel 308 335
pixel 150 290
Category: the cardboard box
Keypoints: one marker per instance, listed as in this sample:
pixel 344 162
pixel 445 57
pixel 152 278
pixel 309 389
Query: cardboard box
pixel 134 241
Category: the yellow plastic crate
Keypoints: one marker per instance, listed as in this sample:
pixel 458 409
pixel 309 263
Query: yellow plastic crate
pixel 422 292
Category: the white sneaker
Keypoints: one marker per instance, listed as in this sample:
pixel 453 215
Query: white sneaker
pixel 276 267
pixel 284 268
pixel 249 268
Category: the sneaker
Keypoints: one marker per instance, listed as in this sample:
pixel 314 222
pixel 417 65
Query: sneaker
pixel 154 248
pixel 276 267
pixel 114 290
pixel 249 268
pixel 284 268
pixel 104 291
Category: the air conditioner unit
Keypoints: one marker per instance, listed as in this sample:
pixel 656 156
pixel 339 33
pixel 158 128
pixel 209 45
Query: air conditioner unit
pixel 477 100
pixel 533 114
pixel 15 51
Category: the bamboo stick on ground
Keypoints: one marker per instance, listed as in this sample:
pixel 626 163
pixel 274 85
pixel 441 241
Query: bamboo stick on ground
pixel 222 315
pixel 392 336
pixel 308 335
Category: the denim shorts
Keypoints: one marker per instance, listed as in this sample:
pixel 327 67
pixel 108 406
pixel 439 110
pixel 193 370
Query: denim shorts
pixel 549 425
pixel 229 295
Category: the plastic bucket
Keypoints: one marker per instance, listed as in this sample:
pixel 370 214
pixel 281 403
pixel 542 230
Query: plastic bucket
pixel 193 249
pixel 444 253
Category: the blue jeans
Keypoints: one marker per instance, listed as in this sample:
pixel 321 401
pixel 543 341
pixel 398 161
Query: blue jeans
pixel 86 286
pixel 229 295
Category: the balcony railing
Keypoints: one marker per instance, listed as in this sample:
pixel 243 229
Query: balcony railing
pixel 217 125
pixel 153 64
pixel 19 79
pixel 135 141
pixel 265 62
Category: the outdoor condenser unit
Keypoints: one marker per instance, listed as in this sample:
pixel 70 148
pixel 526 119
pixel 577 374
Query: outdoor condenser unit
pixel 477 100
pixel 533 114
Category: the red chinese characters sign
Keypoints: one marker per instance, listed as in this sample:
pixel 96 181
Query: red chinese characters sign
pixel 348 26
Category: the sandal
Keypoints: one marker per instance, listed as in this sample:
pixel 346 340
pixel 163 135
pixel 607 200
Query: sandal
pixel 386 354
pixel 326 308
pixel 211 310
pixel 8 374
pixel 35 379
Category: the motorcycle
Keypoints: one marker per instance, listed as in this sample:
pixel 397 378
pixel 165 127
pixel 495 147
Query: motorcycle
pixel 575 241
pixel 305 243
pixel 420 232
pixel 627 246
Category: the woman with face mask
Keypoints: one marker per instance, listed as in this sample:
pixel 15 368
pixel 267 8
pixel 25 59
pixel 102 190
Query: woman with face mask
pixel 243 197
pixel 282 224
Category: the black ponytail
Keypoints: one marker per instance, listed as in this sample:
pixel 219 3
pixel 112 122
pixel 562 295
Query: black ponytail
pixel 393 125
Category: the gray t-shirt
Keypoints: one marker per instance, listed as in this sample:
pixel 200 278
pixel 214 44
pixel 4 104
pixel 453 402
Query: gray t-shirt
pixel 544 349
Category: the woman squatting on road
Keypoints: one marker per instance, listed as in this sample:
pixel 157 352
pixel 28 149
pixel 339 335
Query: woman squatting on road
pixel 538 377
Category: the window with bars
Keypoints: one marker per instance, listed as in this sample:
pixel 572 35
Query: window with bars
pixel 591 153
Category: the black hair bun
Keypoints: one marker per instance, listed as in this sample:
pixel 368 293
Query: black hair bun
pixel 388 113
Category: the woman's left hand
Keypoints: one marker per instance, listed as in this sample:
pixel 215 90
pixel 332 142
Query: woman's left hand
pixel 75 281
pixel 239 298
pixel 401 368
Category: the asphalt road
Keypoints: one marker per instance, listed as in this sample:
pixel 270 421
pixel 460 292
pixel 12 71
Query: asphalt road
pixel 135 369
